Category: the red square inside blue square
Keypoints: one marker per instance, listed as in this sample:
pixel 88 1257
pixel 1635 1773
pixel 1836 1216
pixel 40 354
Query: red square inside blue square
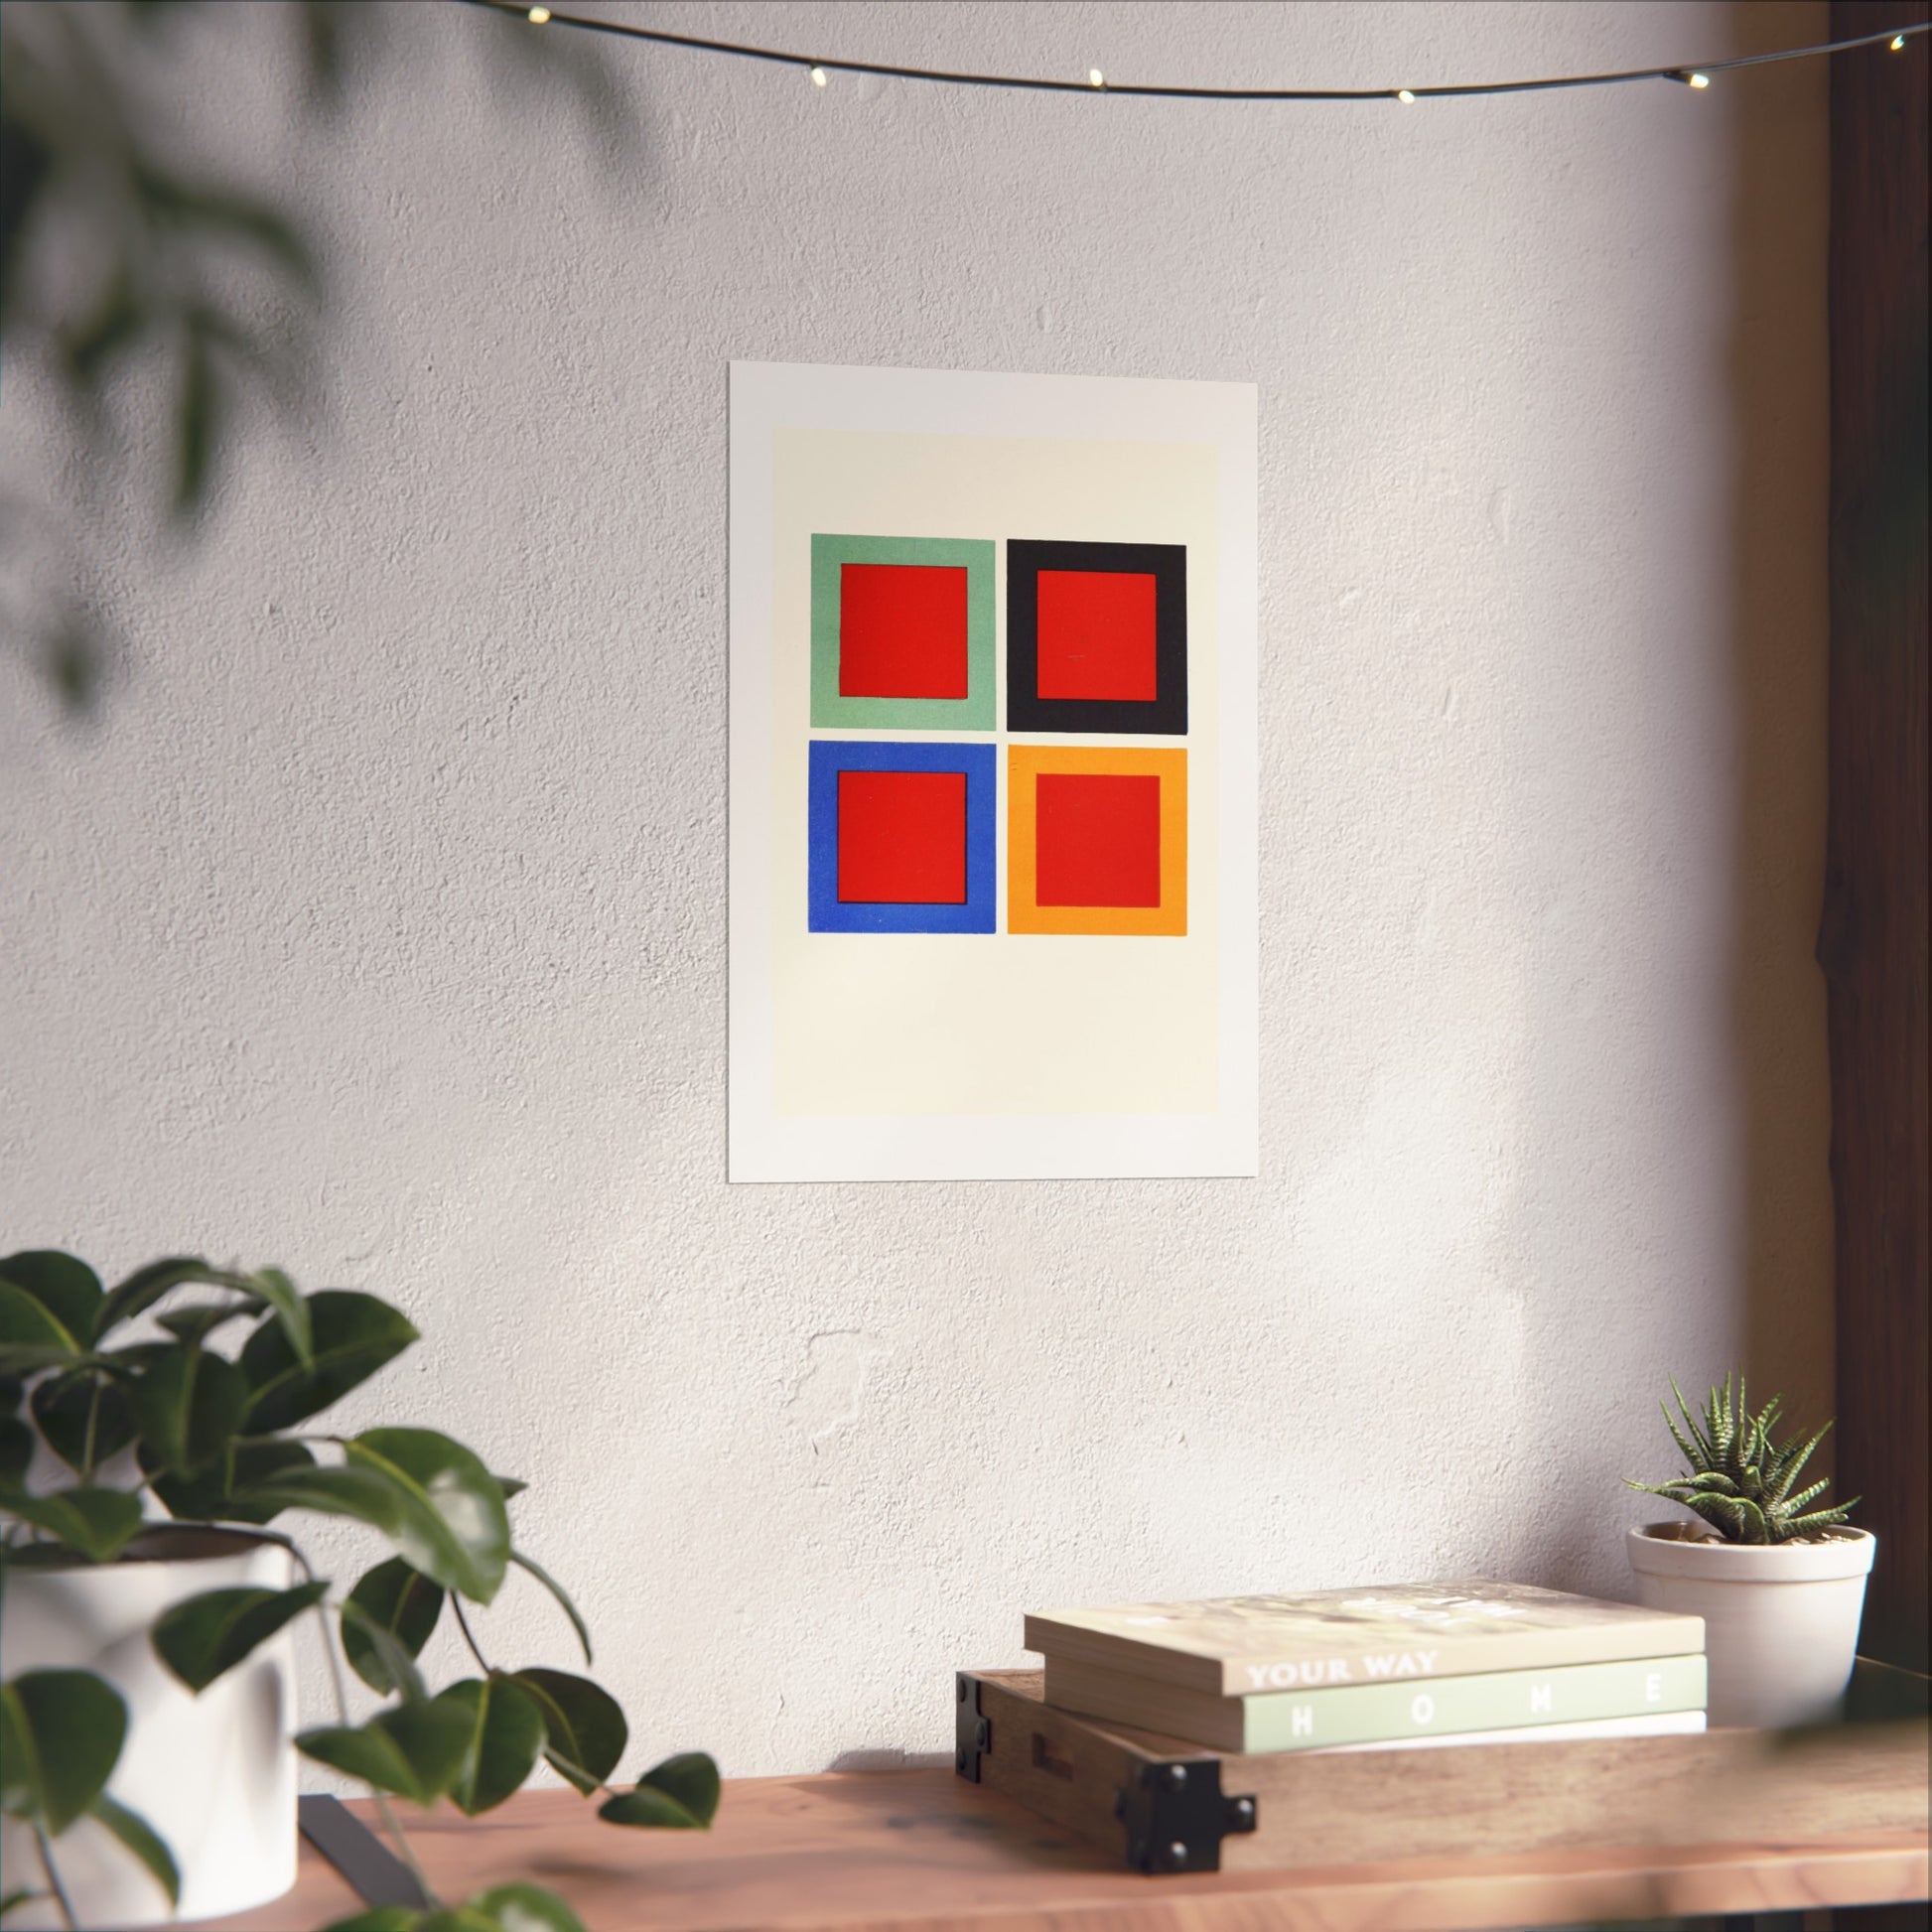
pixel 900 837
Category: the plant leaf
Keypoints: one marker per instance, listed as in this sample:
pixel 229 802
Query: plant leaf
pixel 584 1727
pixel 189 1405
pixel 557 1590
pixel 29 1358
pixel 61 1735
pixel 456 1918
pixel 525 1908
pixel 67 1407
pixel 220 1494
pixel 142 1840
pixel 1820 1519
pixel 15 1899
pixel 146 1285
pixel 400 1600
pixel 98 1523
pixel 680 1794
pixel 506 1732
pixel 197 421
pixel 364 1494
pixel 690 1777
pixel 415 1750
pixel 202 1320
pixel 1809 1494
pixel 69 1289
pixel 457 1530
pixel 279 1292
pixel 353 1335
pixel 30 1330
pixel 203 1637
pixel 16 1452
pixel 512 1486
pixel 384 1651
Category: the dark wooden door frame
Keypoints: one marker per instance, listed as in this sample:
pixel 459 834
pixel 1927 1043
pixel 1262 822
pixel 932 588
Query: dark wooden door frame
pixel 1872 936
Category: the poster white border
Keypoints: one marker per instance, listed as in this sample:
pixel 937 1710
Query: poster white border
pixel 765 1146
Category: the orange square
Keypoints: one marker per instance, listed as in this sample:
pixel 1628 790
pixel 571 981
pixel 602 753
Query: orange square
pixel 1027 765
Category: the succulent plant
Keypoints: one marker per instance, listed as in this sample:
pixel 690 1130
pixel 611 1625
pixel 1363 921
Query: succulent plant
pixel 1740 1481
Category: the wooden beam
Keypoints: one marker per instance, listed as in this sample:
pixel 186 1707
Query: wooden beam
pixel 1872 938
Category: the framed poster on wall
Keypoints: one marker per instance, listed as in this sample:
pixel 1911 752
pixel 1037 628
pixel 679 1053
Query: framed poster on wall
pixel 993 788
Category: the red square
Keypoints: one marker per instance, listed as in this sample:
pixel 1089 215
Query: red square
pixel 1096 634
pixel 903 838
pixel 902 630
pixel 1096 839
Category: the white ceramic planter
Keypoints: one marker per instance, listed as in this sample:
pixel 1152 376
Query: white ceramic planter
pixel 1780 1620
pixel 213 1774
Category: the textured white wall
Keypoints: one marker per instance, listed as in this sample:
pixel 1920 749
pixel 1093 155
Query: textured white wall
pixel 378 926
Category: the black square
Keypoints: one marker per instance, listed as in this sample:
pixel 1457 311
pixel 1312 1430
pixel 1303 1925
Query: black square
pixel 1165 714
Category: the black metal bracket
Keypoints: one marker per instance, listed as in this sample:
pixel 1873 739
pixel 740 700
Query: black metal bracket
pixel 375 1874
pixel 1177 1816
pixel 972 1734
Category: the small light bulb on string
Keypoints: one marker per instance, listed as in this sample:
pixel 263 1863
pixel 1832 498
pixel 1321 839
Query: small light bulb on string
pixel 818 76
pixel 1095 79
pixel 537 16
pixel 1699 81
pixel 1405 96
pixel 1898 43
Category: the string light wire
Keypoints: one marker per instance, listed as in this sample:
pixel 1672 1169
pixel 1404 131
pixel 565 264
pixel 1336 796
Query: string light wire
pixel 1697 74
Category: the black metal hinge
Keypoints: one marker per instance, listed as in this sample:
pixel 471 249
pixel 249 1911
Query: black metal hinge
pixel 972 1734
pixel 1177 1816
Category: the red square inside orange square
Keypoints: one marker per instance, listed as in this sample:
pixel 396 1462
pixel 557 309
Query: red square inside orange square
pixel 1096 634
pixel 1096 839
pixel 902 630
pixel 903 838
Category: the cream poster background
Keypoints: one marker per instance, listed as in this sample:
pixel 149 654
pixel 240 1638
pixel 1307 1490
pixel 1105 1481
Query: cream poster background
pixel 881 1055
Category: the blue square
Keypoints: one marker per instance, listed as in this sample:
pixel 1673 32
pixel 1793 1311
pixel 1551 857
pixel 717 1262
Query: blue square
pixel 827 912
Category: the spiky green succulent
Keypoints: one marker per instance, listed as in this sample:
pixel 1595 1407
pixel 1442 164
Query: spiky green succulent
pixel 1740 1481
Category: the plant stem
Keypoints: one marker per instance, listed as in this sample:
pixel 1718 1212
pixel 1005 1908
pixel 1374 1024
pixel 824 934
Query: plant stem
pixel 87 1447
pixel 59 1891
pixel 394 1826
pixel 339 1684
pixel 462 1624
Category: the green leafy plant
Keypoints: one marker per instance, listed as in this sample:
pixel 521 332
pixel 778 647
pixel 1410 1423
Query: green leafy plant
pixel 231 1438
pixel 123 256
pixel 1739 1480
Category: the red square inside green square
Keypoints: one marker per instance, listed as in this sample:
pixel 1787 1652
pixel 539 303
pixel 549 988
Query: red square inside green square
pixel 1096 634
pixel 903 838
pixel 902 630
pixel 1096 839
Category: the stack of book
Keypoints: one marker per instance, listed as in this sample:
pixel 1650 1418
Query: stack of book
pixel 1462 1663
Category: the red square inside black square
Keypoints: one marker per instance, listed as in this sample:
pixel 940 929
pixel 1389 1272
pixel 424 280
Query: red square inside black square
pixel 1096 638
pixel 903 838
pixel 902 630
pixel 1096 634
pixel 1096 839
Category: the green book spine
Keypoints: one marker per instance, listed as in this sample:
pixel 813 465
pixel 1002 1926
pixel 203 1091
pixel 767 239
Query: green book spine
pixel 1373 1714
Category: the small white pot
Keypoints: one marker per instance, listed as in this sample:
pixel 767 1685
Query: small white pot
pixel 214 1775
pixel 1780 1619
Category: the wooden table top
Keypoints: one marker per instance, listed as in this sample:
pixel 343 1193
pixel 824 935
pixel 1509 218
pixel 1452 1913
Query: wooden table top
pixel 875 1851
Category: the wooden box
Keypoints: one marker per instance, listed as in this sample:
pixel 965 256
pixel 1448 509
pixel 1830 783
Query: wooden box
pixel 1162 1805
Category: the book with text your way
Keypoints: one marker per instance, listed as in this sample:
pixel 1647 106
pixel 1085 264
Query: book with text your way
pixel 1226 1649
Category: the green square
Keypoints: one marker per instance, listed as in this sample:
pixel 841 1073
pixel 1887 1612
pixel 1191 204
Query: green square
pixel 978 709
